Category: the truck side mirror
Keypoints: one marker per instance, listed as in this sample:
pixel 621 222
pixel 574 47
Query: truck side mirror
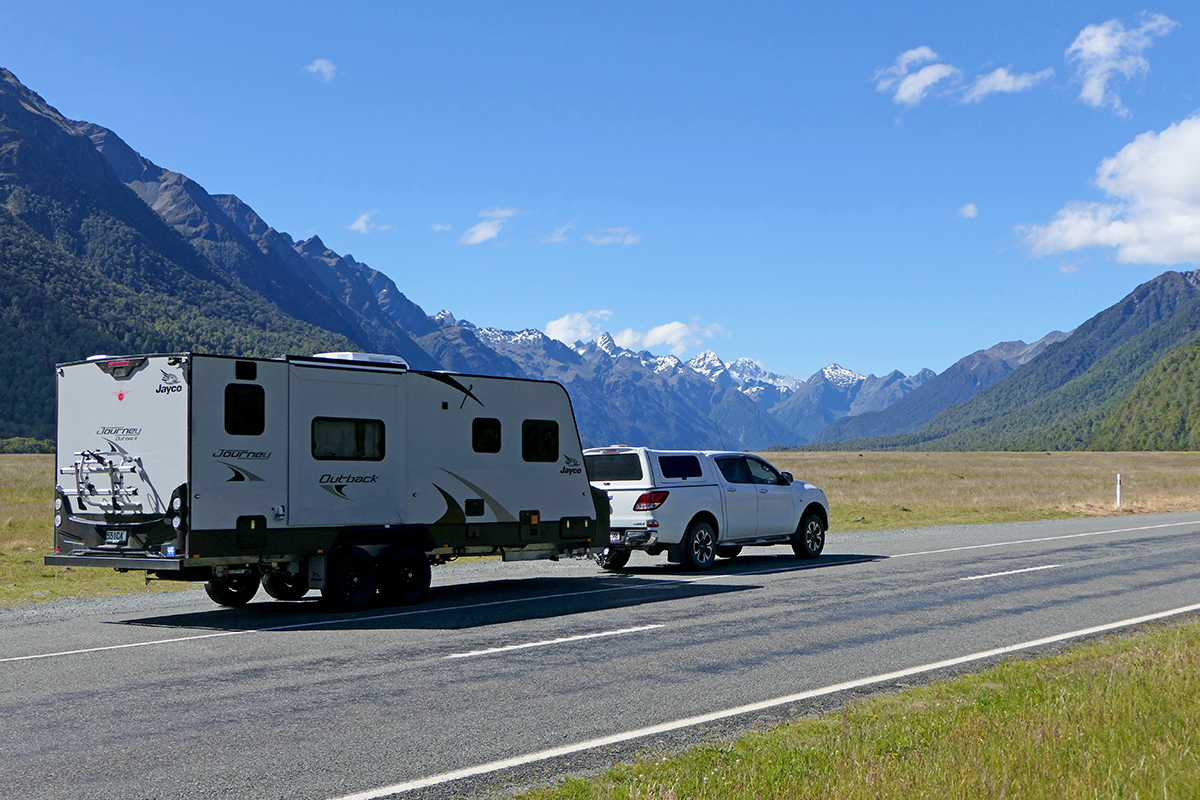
pixel 786 478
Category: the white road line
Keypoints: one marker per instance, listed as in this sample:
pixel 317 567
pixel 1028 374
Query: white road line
pixel 1043 539
pixel 1010 572
pixel 543 755
pixel 548 642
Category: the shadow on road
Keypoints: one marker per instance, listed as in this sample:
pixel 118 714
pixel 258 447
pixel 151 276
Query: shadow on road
pixel 495 602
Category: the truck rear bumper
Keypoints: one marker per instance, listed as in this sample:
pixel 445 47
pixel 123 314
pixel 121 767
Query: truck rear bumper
pixel 116 561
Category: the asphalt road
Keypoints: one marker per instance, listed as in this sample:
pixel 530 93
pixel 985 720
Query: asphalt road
pixel 554 668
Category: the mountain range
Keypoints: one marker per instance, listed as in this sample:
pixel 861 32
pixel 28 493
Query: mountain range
pixel 101 250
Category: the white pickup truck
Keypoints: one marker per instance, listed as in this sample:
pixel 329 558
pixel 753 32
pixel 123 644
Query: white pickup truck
pixel 697 505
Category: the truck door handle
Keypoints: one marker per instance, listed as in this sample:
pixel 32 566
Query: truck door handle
pixel 731 489
pixel 762 491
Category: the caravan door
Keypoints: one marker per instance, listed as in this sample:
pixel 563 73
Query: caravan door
pixel 347 446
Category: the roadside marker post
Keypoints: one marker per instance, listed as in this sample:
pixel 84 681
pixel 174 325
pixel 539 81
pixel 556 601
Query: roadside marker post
pixel 1118 490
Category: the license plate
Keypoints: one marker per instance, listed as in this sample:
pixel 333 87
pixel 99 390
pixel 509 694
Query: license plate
pixel 116 537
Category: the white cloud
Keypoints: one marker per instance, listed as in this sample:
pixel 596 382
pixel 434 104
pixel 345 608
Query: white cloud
pixel 1102 52
pixel 628 338
pixel 438 227
pixel 613 236
pixel 679 337
pixel 969 211
pixel 494 220
pixel 911 87
pixel 559 235
pixel 324 69
pixel 1152 214
pixel 582 326
pixel 364 225
pixel 1002 80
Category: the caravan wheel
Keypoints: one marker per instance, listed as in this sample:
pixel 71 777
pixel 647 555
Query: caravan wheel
pixel 350 578
pixel 285 586
pixel 404 575
pixel 233 592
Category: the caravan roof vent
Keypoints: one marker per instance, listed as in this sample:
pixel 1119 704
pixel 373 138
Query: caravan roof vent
pixel 366 358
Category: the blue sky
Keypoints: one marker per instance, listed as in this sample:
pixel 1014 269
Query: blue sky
pixel 880 186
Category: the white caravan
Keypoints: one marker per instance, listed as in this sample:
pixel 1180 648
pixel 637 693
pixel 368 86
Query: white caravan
pixel 344 472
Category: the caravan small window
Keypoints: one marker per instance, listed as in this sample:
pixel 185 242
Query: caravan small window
pixel 347 439
pixel 245 409
pixel 485 435
pixel 539 440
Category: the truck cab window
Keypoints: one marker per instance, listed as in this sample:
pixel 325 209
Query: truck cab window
pixel 485 435
pixel 539 440
pixel 245 409
pixel 762 473
pixel 734 469
pixel 347 439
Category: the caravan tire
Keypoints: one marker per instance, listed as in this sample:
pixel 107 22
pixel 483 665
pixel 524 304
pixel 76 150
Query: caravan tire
pixel 285 585
pixel 403 575
pixel 232 592
pixel 350 578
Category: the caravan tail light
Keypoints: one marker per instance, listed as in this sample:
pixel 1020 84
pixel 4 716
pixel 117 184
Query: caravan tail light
pixel 650 501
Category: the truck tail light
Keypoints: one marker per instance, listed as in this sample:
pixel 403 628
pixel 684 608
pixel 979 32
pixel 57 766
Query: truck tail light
pixel 650 501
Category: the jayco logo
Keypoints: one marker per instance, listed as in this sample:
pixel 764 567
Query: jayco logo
pixel 170 383
pixel 572 467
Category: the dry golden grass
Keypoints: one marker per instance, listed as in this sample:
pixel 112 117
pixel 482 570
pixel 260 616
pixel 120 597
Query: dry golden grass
pixel 893 490
pixel 27 536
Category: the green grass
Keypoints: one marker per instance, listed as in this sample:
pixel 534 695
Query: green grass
pixel 1116 719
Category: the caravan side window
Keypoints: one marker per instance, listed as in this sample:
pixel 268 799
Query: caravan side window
pixel 485 435
pixel 245 409
pixel 335 439
pixel 539 440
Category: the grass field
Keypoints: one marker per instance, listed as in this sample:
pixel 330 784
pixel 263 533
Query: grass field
pixel 1116 719
pixel 897 490
pixel 27 535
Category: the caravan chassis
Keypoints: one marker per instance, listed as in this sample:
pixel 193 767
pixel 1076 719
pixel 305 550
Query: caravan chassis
pixel 103 521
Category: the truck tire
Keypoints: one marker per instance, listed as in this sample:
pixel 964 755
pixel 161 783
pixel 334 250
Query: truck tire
pixel 809 539
pixel 729 551
pixel 403 574
pixel 349 579
pixel 700 546
pixel 612 559
pixel 285 585
pixel 233 592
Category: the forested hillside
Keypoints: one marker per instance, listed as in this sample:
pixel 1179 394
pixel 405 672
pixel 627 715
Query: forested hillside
pixel 86 267
pixel 1162 412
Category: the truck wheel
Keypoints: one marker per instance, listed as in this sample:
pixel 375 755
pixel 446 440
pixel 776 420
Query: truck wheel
pixel 233 592
pixel 285 585
pixel 612 559
pixel 809 539
pixel 729 551
pixel 404 575
pixel 700 546
pixel 350 579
